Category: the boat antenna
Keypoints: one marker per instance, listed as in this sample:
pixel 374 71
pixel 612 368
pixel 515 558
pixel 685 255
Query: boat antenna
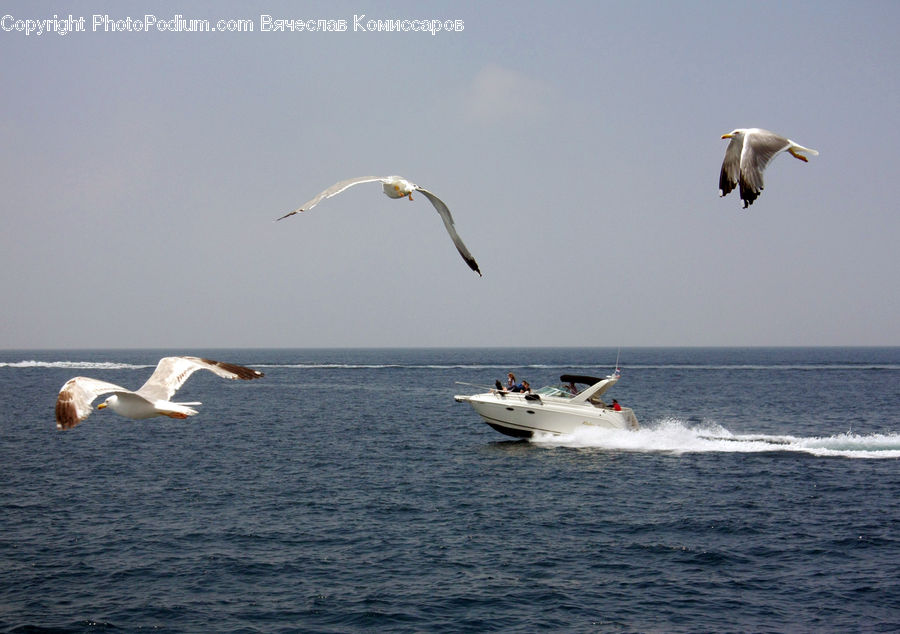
pixel 618 350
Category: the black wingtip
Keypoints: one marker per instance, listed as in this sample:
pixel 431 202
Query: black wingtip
pixel 243 373
pixel 289 214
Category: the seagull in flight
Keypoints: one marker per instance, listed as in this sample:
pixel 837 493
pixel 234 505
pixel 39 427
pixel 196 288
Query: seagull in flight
pixel 396 187
pixel 152 399
pixel 746 158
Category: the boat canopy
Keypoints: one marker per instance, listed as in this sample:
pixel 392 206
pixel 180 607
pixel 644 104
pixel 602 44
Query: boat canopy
pixel 579 378
pixel 597 385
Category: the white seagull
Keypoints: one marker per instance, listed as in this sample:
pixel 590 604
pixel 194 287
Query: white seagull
pixel 396 187
pixel 746 159
pixel 152 399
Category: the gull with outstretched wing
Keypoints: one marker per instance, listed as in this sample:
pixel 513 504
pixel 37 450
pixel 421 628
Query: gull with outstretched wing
pixel 746 158
pixel 73 404
pixel 396 187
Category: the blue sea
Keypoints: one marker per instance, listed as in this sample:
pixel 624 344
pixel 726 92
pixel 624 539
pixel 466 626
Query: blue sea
pixel 346 491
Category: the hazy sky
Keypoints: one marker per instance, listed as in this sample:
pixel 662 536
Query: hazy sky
pixel 576 143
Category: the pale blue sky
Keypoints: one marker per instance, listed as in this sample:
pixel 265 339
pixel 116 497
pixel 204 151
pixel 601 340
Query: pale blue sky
pixel 577 145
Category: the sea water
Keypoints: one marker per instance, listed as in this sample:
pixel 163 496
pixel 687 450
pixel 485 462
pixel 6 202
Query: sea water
pixel 347 491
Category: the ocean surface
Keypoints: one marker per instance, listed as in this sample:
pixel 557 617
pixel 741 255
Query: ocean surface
pixel 346 491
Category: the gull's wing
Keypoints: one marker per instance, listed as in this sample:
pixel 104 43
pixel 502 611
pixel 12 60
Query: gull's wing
pixel 73 404
pixel 171 373
pixel 334 190
pixel 448 223
pixel 731 166
pixel 760 147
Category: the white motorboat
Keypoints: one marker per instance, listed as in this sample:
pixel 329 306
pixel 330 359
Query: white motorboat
pixel 561 409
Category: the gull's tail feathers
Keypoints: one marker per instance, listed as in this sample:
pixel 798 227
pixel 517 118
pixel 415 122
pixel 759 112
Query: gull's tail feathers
pixel 800 148
pixel 176 410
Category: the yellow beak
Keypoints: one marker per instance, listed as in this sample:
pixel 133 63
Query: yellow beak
pixel 101 406
pixel 728 136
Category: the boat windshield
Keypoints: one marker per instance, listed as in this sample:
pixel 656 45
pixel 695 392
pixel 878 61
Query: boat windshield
pixel 552 390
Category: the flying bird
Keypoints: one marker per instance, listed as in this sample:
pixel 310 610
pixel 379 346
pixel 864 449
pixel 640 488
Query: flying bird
pixel 152 399
pixel 746 159
pixel 396 187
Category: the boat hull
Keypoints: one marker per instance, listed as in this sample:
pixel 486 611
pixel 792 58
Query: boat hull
pixel 515 416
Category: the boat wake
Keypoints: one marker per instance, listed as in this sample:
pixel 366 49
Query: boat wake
pixel 73 365
pixel 678 437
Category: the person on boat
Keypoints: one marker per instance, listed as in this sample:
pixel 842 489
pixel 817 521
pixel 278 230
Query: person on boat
pixel 522 387
pixel 572 389
pixel 616 406
pixel 511 382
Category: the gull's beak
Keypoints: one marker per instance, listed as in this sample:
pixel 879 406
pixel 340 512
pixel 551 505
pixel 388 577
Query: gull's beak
pixel 728 136
pixel 101 406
